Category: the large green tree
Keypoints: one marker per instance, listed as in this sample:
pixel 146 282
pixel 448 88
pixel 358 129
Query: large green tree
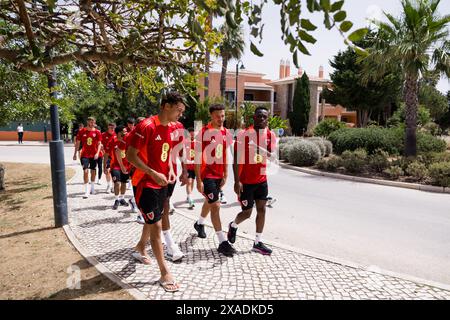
pixel 301 106
pixel 417 42
pixel 433 100
pixel 367 98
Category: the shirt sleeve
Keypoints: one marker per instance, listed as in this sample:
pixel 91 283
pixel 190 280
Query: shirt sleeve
pixel 138 136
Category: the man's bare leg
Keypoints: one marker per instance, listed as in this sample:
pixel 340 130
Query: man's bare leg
pixel 157 248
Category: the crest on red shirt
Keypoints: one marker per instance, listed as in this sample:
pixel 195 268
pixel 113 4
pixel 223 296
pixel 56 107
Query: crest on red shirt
pixel 150 215
pixel 94 135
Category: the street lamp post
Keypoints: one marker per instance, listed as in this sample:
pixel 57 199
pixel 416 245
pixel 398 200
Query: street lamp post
pixel 57 159
pixel 236 95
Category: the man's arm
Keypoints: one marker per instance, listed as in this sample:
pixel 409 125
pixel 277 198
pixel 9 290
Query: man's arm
pixel 77 147
pixel 119 159
pixel 133 158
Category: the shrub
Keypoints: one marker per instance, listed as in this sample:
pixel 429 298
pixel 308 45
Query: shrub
pixel 284 150
pixel 389 140
pixel 284 140
pixel 432 128
pixel 328 126
pixel 329 147
pixel 319 142
pixel 354 161
pixel 322 164
pixel 303 153
pixel 417 170
pixel 379 161
pixel 334 163
pixel 427 143
pixel 440 173
pixel 369 139
pixel 394 172
pixel 276 122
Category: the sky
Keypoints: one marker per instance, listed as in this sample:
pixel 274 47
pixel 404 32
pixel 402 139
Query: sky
pixel 329 42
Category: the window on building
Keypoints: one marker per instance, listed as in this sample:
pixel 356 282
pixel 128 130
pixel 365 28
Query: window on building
pixel 230 96
pixel 274 97
pixel 249 97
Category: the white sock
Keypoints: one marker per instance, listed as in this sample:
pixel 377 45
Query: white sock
pixel 92 185
pixel 117 197
pixel 258 238
pixel 234 224
pixel 108 184
pixel 201 220
pixel 221 236
pixel 121 197
pixel 86 187
pixel 168 238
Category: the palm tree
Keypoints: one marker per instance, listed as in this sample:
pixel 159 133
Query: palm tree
pixel 417 41
pixel 232 47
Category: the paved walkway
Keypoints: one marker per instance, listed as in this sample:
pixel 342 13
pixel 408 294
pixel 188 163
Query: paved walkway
pixel 109 236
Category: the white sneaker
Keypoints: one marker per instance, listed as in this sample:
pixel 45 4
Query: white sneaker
pixel 108 188
pixel 86 195
pixel 271 201
pixel 174 253
pixel 223 199
pixel 133 206
pixel 98 182
pixel 140 220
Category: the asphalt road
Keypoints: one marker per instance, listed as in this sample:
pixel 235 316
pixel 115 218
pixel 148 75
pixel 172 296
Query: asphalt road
pixel 400 230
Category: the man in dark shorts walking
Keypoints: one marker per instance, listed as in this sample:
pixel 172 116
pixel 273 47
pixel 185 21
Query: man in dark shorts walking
pixel 91 139
pixel 149 151
pixel 120 167
pixel 211 173
pixel 252 148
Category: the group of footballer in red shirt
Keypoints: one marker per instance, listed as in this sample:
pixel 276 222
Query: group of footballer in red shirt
pixel 148 152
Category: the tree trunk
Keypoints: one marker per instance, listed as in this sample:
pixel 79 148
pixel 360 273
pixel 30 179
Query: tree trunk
pixel 223 75
pixel 207 59
pixel 411 101
pixel 2 177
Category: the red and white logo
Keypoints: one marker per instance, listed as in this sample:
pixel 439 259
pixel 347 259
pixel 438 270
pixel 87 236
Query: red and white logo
pixel 211 196
pixel 150 215
pixel 245 203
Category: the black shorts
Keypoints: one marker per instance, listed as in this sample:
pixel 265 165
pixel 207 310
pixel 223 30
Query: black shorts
pixel 191 174
pixel 252 192
pixel 170 188
pixel 211 189
pixel 88 163
pixel 151 203
pixel 119 176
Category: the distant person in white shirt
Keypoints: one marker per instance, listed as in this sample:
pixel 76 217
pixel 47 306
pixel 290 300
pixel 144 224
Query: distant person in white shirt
pixel 20 133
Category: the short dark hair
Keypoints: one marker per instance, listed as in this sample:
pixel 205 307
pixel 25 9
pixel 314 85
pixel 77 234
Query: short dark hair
pixel 216 107
pixel 91 118
pixel 261 108
pixel 119 128
pixel 131 120
pixel 172 97
pixel 111 124
pixel 190 129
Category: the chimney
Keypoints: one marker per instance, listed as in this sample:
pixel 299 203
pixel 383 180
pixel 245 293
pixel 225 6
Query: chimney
pixel 300 71
pixel 287 69
pixel 321 72
pixel 281 69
